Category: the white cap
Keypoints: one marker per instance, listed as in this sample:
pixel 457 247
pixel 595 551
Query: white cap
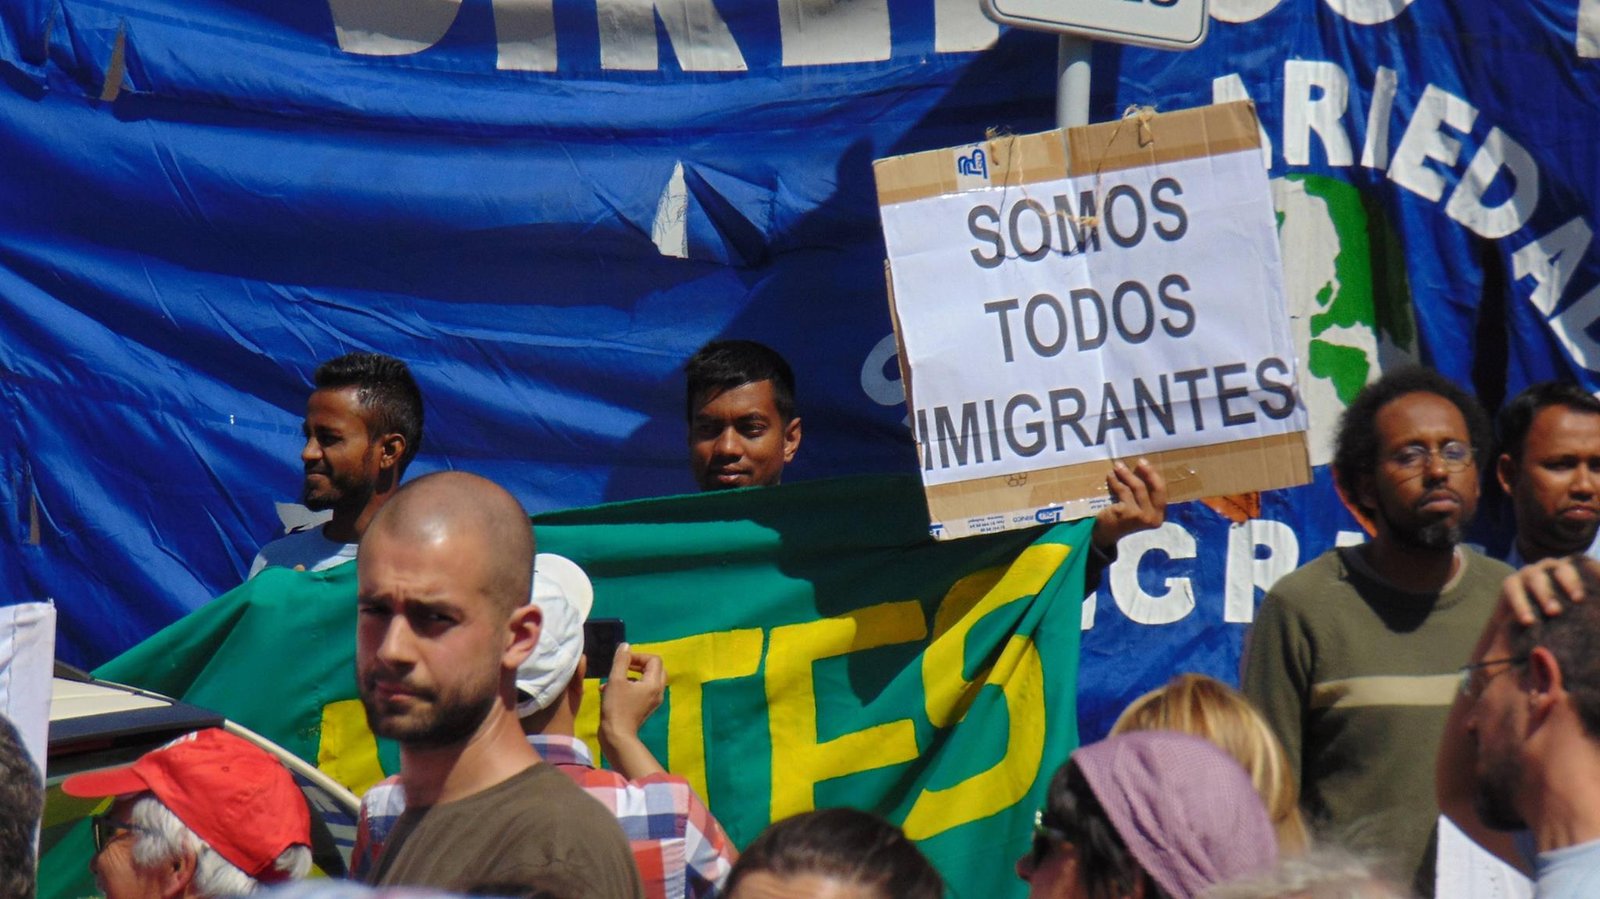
pixel 564 596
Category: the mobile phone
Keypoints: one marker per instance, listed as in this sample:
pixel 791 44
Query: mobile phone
pixel 600 639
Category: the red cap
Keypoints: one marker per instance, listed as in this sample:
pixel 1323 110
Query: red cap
pixel 234 795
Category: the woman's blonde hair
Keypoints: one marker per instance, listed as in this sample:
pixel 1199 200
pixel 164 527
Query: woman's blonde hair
pixel 1208 708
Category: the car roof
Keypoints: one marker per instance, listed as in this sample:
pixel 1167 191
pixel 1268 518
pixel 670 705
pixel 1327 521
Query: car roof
pixel 87 715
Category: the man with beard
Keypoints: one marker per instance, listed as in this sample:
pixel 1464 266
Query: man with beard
pixel 1550 467
pixel 363 427
pixel 1353 656
pixel 1521 750
pixel 443 622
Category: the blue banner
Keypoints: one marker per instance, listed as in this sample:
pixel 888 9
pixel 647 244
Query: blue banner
pixel 545 208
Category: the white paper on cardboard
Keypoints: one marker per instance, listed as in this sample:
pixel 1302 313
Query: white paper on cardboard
pixel 1080 319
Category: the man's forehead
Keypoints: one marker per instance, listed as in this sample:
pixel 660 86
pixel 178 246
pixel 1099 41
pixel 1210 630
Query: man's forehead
pixel 1561 421
pixel 418 553
pixel 1500 642
pixel 1403 417
pixel 738 401
pixel 336 400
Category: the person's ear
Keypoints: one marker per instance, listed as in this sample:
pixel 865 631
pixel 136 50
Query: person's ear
pixel 791 439
pixel 1545 685
pixel 391 449
pixel 177 875
pixel 1366 498
pixel 1505 471
pixel 522 635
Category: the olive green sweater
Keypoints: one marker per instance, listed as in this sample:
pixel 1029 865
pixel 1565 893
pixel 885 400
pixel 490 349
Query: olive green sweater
pixel 1356 678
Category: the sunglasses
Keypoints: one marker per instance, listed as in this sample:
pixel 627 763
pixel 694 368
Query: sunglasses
pixel 107 829
pixel 1045 838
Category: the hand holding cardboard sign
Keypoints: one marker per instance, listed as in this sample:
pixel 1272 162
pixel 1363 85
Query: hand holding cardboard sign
pixel 1141 504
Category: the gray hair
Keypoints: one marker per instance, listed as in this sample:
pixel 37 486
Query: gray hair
pixel 164 837
pixel 1325 872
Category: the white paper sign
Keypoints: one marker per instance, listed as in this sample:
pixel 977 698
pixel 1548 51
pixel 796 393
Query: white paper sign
pixel 1103 316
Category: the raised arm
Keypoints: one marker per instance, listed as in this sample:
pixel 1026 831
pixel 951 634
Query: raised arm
pixel 1139 497
pixel 625 703
pixel 1455 772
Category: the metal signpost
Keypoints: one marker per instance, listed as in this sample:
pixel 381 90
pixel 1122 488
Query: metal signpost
pixel 1165 24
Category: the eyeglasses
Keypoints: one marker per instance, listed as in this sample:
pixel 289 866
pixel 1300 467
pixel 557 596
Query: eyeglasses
pixel 107 828
pixel 1454 456
pixel 1044 838
pixel 1469 688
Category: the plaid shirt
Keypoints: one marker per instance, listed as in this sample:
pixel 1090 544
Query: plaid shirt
pixel 680 849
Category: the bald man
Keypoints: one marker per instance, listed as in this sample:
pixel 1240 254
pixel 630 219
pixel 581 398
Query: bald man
pixel 444 572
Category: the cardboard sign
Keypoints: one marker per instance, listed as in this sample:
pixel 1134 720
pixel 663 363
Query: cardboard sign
pixel 1112 293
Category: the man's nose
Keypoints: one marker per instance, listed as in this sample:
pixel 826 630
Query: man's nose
pixel 311 451
pixel 1586 481
pixel 1434 467
pixel 728 443
pixel 398 643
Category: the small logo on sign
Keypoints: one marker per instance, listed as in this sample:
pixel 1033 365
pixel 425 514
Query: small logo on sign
pixel 974 165
pixel 935 529
pixel 1017 480
pixel 1048 515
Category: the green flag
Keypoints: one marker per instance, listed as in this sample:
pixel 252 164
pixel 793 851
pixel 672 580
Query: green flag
pixel 821 650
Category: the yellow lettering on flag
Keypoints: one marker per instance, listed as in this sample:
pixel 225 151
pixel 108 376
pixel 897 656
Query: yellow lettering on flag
pixel 347 750
pixel 586 725
pixel 799 760
pixel 948 694
pixel 691 662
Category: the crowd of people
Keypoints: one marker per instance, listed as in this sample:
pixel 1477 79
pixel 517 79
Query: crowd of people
pixel 1383 683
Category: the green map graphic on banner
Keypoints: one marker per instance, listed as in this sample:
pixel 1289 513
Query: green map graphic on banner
pixel 821 650
pixel 1350 306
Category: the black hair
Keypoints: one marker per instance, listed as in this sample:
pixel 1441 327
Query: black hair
pixel 1355 450
pixel 722 365
pixel 1105 866
pixel 847 844
pixel 1514 421
pixel 21 804
pixel 385 388
pixel 1573 637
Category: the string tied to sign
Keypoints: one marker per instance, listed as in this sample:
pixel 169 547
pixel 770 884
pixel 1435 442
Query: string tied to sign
pixel 1143 115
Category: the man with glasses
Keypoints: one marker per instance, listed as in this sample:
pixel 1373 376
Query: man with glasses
pixel 207 815
pixel 1353 656
pixel 1521 751
pixel 1549 465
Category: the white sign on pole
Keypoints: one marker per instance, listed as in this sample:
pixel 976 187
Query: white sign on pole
pixel 1167 24
pixel 1052 319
